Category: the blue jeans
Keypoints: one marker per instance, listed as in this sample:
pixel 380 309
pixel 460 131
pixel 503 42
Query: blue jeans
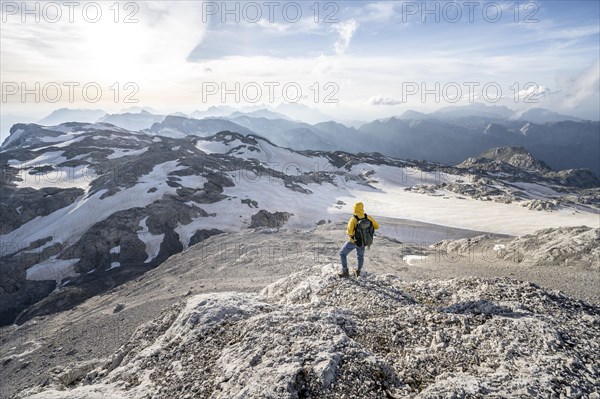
pixel 346 249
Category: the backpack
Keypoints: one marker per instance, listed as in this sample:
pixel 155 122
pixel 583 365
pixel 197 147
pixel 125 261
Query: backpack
pixel 363 232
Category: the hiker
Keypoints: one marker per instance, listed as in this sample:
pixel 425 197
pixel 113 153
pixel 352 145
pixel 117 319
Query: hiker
pixel 360 231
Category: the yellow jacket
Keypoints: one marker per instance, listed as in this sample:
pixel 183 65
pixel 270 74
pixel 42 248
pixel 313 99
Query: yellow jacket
pixel 359 210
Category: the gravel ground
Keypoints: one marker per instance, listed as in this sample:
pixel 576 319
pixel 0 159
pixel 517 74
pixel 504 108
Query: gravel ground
pixel 242 262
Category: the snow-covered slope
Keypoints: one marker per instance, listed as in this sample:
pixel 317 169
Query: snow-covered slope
pixel 314 335
pixel 74 192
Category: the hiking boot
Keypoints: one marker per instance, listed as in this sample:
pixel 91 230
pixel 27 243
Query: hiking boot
pixel 344 274
pixel 356 273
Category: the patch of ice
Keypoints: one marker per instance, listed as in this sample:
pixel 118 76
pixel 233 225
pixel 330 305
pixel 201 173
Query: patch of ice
pixel 122 152
pixel 152 241
pixel 272 195
pixel 212 147
pixel 114 265
pixel 53 269
pixel 413 259
pixel 60 141
pixel 389 199
pixel 62 177
pixel 536 190
pixel 69 223
pixel 51 158
pixel 186 231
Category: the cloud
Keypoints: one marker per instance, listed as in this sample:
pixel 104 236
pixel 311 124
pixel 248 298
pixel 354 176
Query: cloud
pixel 377 12
pixel 534 92
pixel 579 89
pixel 304 25
pixel 154 53
pixel 157 40
pixel 379 100
pixel 345 30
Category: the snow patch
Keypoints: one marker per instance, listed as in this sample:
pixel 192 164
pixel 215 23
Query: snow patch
pixel 50 158
pixel 69 223
pixel 62 177
pixel 413 259
pixel 123 152
pixel 213 147
pixel 152 241
pixel 53 269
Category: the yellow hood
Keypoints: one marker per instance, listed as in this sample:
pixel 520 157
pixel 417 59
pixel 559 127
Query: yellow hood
pixel 359 209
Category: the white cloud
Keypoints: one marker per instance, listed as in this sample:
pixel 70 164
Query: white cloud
pixel 305 25
pixel 377 12
pixel 379 100
pixel 154 52
pixel 345 30
pixel 581 88
pixel 154 47
pixel 534 92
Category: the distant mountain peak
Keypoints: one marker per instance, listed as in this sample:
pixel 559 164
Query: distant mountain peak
pixel 260 113
pixel 541 115
pixel 515 156
pixel 411 114
pixel 63 115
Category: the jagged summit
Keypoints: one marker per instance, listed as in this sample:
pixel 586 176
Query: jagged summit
pixel 517 161
pixel 32 134
pixel 515 156
pixel 312 334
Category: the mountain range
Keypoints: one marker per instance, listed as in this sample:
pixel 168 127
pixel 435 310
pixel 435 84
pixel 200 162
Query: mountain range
pixel 86 205
pixel 108 228
pixel 447 136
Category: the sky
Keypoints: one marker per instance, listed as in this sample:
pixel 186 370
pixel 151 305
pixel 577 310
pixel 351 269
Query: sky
pixel 352 60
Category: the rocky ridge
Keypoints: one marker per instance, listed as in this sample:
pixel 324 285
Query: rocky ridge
pixel 563 246
pixel 512 174
pixel 313 334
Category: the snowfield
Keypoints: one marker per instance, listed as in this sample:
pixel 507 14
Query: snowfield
pixel 52 269
pixel 69 223
pixel 327 192
pixel 390 199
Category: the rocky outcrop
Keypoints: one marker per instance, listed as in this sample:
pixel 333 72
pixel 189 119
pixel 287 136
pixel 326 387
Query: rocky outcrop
pixel 201 235
pixel 19 206
pixel 518 157
pixel 582 178
pixel 269 220
pixel 561 246
pixel 315 335
pixel 517 163
pixel 512 174
pixel 567 246
pixel 23 294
